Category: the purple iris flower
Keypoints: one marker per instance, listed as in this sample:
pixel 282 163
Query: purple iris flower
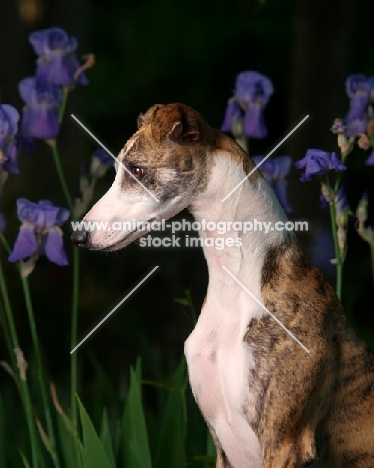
pixel 57 62
pixel 370 159
pixel 251 94
pixel 40 233
pixel 275 171
pixel 359 89
pixel 318 162
pixel 40 115
pixel 101 161
pixel 9 117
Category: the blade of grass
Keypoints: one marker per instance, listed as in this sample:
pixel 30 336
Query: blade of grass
pixel 68 441
pixel 106 438
pixel 68 434
pixel 94 455
pixel 136 451
pixel 172 438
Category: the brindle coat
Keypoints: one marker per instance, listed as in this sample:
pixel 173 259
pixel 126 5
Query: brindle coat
pixel 317 412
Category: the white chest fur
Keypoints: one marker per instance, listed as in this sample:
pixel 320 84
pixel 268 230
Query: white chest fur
pixel 219 363
pixel 218 359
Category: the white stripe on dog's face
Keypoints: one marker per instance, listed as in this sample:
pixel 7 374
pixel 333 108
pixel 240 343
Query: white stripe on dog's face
pixel 127 201
pixel 115 207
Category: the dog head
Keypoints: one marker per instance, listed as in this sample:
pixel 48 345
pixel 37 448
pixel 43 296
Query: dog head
pixel 159 172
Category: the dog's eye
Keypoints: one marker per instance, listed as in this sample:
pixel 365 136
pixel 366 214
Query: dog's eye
pixel 137 171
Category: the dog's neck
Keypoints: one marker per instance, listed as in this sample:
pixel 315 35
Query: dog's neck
pixel 253 200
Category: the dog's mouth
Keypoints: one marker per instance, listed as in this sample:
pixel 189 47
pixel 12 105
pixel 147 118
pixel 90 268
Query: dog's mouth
pixel 126 240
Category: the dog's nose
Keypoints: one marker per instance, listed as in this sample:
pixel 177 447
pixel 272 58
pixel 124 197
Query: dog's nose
pixel 80 238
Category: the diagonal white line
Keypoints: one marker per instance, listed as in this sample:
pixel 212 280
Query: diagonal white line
pixel 265 158
pixel 113 310
pixel 114 157
pixel 267 310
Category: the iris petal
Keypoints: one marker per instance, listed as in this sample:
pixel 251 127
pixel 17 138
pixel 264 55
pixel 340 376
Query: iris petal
pixel 10 116
pixel 40 122
pixel 26 210
pixel 53 247
pixel 25 244
pixel 252 86
pixel 10 163
pixel 254 126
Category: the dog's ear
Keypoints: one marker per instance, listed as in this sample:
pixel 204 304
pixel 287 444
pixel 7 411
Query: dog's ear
pixel 177 122
pixel 146 118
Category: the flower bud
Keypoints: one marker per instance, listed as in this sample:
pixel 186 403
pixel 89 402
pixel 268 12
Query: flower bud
pixel 27 266
pixel 101 161
pixel 342 238
pixel 327 192
pixel 362 209
pixel 338 126
pixel 85 187
pixel 364 142
pixel 343 143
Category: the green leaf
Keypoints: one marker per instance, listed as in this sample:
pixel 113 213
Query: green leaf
pixel 210 447
pixel 106 438
pixel 172 439
pixel 211 453
pixel 94 455
pixel 68 440
pixel 136 451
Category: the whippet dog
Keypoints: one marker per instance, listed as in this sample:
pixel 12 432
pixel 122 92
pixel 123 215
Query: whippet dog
pixel 267 402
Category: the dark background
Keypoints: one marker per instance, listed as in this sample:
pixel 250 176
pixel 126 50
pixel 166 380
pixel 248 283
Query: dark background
pixel 152 51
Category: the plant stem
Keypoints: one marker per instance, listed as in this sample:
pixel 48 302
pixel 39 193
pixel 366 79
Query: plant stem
pixel 12 338
pixel 339 264
pixel 35 341
pixel 75 294
pixel 74 328
pixel 22 384
pixel 65 94
pixel 61 176
pixel 337 182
